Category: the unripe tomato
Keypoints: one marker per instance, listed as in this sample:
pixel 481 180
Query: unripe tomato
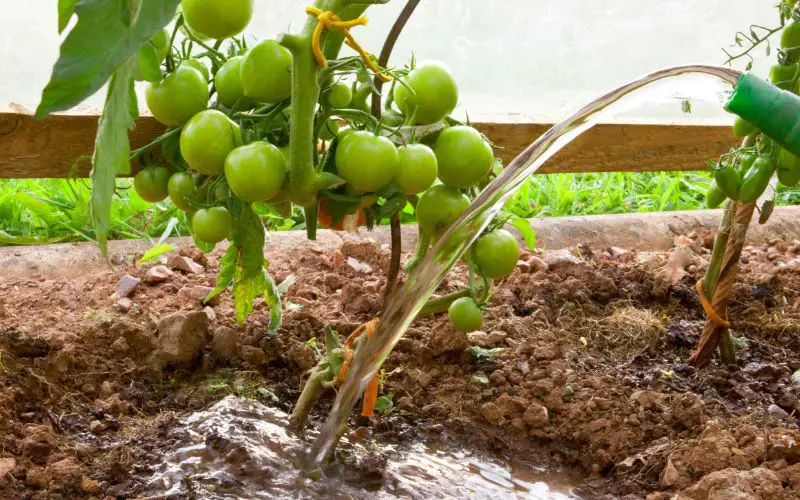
pixel 464 156
pixel 329 130
pixel 782 75
pixel 212 225
pixel 496 254
pixel 228 83
pixel 728 180
pixel 339 95
pixel 756 179
pixel 714 196
pixel 465 315
pixel 217 18
pixel 743 128
pixel 790 39
pixel 435 93
pixel 178 97
pixel 207 139
pixel 367 162
pixel 255 172
pixel 418 168
pixel 788 168
pixel 182 190
pixel 198 65
pixel 439 207
pixel 151 183
pixel 266 72
pixel 161 42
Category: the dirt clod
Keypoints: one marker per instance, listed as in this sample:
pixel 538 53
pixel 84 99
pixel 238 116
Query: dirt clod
pixel 181 336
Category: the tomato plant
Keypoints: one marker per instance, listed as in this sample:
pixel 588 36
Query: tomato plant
pixel 212 224
pixel 217 18
pixel 464 156
pixel 367 162
pixel 428 94
pixel 266 72
pixel 418 168
pixel 151 183
pixel 465 315
pixel 496 253
pixel 178 97
pixel 207 139
pixel 439 207
pixel 255 172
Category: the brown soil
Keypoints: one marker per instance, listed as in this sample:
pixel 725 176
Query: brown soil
pixel 591 375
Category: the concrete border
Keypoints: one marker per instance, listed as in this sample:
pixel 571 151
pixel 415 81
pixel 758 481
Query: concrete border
pixel 647 232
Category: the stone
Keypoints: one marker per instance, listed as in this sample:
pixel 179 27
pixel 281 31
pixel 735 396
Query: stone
pixel 496 337
pixel 97 426
pixel 254 356
pixel 120 346
pixel 139 337
pixel 545 353
pixel 765 371
pixel 38 443
pixel 536 416
pixel 535 265
pixel 157 274
pixel 732 484
pixel 184 264
pixel 777 412
pixel 124 305
pixel 224 343
pixel 302 355
pixel 126 285
pixel 212 315
pixel 688 409
pixel 37 477
pixel 195 294
pixel 181 337
pixel 6 466
pixel 423 378
pixel 90 486
pixel 66 472
pixel 478 338
pixel 560 259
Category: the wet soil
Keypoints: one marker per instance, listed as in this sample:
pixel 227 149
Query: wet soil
pixel 580 369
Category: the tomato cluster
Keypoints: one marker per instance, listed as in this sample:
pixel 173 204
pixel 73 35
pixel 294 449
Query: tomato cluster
pixel 230 142
pixel 744 174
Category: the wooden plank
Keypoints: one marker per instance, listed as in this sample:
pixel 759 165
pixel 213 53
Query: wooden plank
pixel 49 148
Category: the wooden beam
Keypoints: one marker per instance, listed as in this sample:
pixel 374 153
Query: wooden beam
pixel 49 148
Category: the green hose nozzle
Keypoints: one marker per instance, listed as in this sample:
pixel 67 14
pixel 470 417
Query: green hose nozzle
pixel 774 111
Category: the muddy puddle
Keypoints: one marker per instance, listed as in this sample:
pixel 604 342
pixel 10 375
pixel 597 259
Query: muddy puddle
pixel 240 448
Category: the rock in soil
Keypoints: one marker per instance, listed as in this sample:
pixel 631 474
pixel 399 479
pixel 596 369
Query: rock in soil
pixel 126 285
pixel 157 274
pixel 225 343
pixel 181 337
pixel 184 264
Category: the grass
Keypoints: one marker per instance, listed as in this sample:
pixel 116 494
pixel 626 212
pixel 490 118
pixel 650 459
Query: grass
pixel 34 211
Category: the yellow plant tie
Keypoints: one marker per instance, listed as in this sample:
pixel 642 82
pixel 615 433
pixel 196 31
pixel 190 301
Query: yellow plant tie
pixel 330 21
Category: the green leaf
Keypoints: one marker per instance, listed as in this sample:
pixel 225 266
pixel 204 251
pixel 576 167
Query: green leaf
pixel 528 234
pixel 204 246
pixel 111 149
pixel 333 350
pixel 108 33
pixel 66 8
pixel 273 299
pixel 384 403
pixel 149 65
pixel 227 270
pixel 155 252
pixel 479 353
pixel 480 378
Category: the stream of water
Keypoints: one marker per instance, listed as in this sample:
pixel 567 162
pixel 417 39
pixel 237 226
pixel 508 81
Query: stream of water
pixel 697 83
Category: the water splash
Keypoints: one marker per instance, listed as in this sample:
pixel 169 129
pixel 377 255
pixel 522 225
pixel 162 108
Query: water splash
pixel 697 82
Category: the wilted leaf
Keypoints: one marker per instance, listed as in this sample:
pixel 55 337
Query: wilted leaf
pixel 273 299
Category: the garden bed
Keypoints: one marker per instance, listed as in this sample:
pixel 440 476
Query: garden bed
pixel 580 369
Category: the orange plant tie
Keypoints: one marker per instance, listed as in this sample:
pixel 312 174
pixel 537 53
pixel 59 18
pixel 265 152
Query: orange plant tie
pixel 371 394
pixel 330 21
pixel 712 314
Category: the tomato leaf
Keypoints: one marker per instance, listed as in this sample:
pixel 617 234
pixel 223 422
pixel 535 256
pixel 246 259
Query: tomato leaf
pixel 149 65
pixel 333 350
pixel 155 252
pixel 249 280
pixel 66 8
pixel 227 270
pixel 111 149
pixel 525 229
pixel 108 33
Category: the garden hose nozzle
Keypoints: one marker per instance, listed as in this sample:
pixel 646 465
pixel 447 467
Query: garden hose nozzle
pixel 774 111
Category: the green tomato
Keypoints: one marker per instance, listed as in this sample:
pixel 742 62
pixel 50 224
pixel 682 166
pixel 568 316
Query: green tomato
pixel 217 18
pixel 788 168
pixel 255 172
pixel 329 130
pixel 207 139
pixel 434 96
pixel 418 168
pixel 161 42
pixel 496 254
pixel 714 196
pixel 339 95
pixel 344 132
pixel 465 315
pixel 782 75
pixel 756 179
pixel 228 83
pixel 464 156
pixel 439 207
pixel 743 128
pixel 368 162
pixel 151 184
pixel 266 72
pixel 178 97
pixel 182 190
pixel 198 65
pixel 728 180
pixel 212 225
pixel 790 40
